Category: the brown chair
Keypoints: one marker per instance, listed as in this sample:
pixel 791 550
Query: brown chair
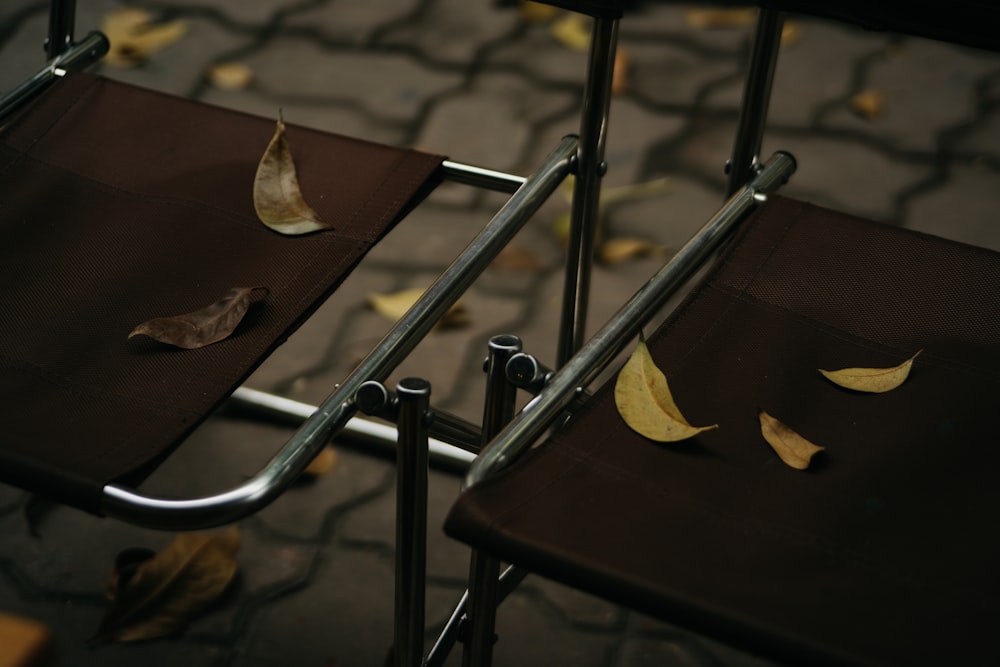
pixel 882 552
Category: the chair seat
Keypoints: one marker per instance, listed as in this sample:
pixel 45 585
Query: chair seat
pixel 118 205
pixel 884 551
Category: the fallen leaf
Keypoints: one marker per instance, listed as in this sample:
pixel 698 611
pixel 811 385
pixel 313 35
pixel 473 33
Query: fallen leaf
pixel 277 197
pixel 644 401
pixel 204 326
pixel 230 76
pixel 537 12
pixel 868 103
pixel 719 18
pixel 572 31
pixel 135 35
pixel 516 257
pixel 170 589
pixel 871 380
pixel 619 74
pixel 394 305
pixel 790 447
pixel 324 462
pixel 791 33
pixel 615 251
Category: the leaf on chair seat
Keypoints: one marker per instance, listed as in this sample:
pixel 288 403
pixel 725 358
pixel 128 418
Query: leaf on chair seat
pixel 645 403
pixel 871 380
pixel 166 591
pixel 277 196
pixel 394 305
pixel 205 326
pixel 792 448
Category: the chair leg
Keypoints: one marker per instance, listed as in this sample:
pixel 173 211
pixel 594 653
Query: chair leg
pixel 62 17
pixel 590 168
pixel 756 96
pixel 411 521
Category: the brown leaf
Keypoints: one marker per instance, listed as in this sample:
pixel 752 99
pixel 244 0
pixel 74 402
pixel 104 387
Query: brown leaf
pixel 537 12
pixel 393 306
pixel 324 462
pixel 644 401
pixel 719 18
pixel 230 76
pixel 619 75
pixel 871 380
pixel 868 103
pixel 135 35
pixel 204 326
pixel 168 590
pixel 615 251
pixel 277 197
pixel 790 447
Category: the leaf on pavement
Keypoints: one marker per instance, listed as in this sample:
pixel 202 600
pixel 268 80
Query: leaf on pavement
pixel 205 326
pixel 324 462
pixel 394 305
pixel 645 403
pixel 719 18
pixel 230 76
pixel 168 590
pixel 572 31
pixel 616 251
pixel 868 104
pixel 277 196
pixel 871 380
pixel 135 35
pixel 792 448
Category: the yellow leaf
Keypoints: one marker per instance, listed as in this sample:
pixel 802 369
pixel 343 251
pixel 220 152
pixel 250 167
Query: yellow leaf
pixel 394 305
pixel 277 197
pixel 324 462
pixel 230 76
pixel 791 33
pixel 572 31
pixel 868 104
pixel 871 380
pixel 205 326
pixel 537 12
pixel 615 251
pixel 719 18
pixel 135 35
pixel 644 401
pixel 790 447
pixel 168 590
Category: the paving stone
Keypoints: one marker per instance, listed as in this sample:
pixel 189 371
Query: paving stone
pixel 352 22
pixel 672 75
pixel 982 139
pixel 964 208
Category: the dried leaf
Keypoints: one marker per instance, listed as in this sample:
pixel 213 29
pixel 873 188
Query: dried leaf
pixel 644 401
pixel 516 257
pixel 168 590
pixel 620 72
pixel 871 380
pixel 277 197
pixel 791 33
pixel 615 251
pixel 790 447
pixel 393 306
pixel 135 35
pixel 868 103
pixel 230 76
pixel 572 31
pixel 205 326
pixel 324 462
pixel 537 12
pixel 719 18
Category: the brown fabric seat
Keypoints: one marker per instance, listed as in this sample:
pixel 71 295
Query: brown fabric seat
pixel 885 551
pixel 118 205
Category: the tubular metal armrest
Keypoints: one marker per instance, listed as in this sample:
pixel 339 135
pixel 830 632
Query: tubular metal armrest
pixel 537 415
pixel 339 407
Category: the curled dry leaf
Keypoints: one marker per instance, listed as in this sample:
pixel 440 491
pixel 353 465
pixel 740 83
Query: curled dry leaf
pixel 394 305
pixel 166 591
pixel 792 448
pixel 871 380
pixel 277 196
pixel 230 76
pixel 615 251
pixel 644 401
pixel 135 35
pixel 868 103
pixel 204 326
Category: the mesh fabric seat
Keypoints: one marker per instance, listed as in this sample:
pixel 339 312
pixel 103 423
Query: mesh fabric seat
pixel 120 205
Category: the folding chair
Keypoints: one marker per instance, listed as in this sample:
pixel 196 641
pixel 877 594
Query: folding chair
pixel 881 552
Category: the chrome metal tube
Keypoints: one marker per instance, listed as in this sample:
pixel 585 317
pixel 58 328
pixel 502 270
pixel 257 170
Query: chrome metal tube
pixel 529 425
pixel 62 16
pixel 411 522
pixel 590 167
pixel 76 57
pixel 338 408
pixel 756 98
pixel 481 178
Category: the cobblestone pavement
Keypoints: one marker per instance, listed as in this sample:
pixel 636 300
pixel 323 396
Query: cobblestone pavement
pixel 472 80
